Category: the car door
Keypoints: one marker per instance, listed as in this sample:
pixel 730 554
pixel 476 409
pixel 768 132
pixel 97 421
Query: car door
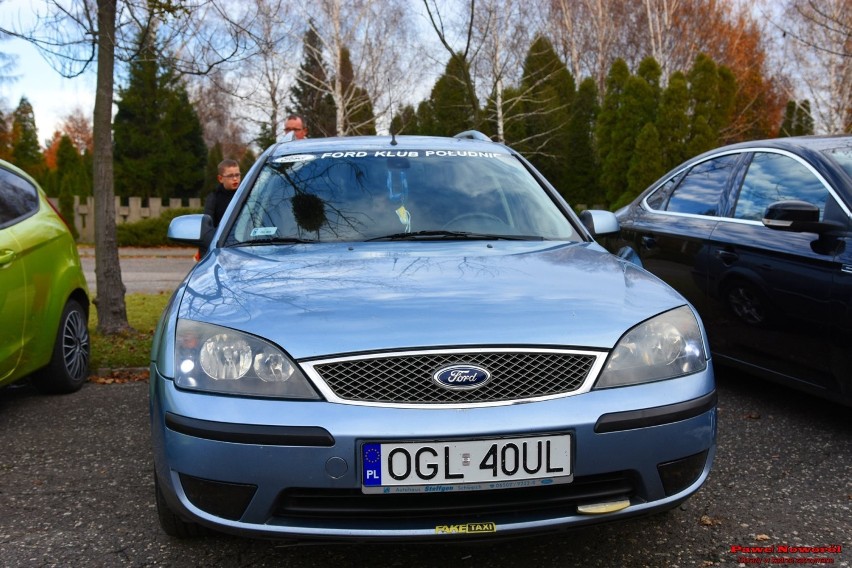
pixel 772 298
pixel 671 228
pixel 18 201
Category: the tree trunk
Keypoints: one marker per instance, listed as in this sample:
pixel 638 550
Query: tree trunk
pixel 112 312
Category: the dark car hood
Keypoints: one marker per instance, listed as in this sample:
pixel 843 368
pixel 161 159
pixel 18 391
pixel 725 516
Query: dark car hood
pixel 317 300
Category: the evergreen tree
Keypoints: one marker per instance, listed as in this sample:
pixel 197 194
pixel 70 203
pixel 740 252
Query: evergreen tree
pixel 702 137
pixel 726 101
pixel 267 137
pixel 583 169
pixel 788 124
pixel 424 118
pixel 247 161
pixel 159 145
pixel 71 178
pixel 547 89
pixel 5 138
pixel 637 108
pixel 405 121
pixel 673 121
pixel 514 125
pixel 359 108
pixel 708 112
pixel 646 165
pixel 313 104
pixel 71 168
pixel 66 206
pixel 449 109
pixel 650 72
pixel 26 152
pixel 611 180
pixel 211 170
pixel 804 122
pixel 185 155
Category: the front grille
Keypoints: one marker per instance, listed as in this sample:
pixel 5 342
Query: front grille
pixel 407 378
pixel 545 501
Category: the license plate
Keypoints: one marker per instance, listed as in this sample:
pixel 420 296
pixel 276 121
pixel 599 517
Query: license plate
pixel 465 465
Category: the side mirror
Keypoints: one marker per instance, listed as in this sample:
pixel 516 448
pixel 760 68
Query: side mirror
pixel 600 222
pixel 797 217
pixel 196 230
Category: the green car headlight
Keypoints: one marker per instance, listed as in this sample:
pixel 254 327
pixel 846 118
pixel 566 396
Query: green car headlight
pixel 666 346
pixel 217 359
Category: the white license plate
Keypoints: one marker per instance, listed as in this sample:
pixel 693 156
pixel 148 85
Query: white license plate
pixel 465 465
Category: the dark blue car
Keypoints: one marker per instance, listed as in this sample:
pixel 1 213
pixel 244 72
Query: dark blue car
pixel 757 237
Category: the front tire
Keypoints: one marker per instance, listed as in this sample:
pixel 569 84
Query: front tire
pixel 69 364
pixel 172 524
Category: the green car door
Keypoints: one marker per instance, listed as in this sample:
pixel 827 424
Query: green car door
pixel 17 204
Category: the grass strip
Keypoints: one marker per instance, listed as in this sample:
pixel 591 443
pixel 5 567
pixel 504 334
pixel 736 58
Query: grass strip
pixel 131 349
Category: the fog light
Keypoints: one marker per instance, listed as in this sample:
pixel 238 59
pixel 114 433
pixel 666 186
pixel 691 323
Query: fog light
pixel 679 474
pixel 226 500
pixel 604 507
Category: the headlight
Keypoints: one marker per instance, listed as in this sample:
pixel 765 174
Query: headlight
pixel 218 359
pixel 667 346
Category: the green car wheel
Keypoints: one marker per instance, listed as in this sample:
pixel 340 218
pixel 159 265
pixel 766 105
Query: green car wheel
pixel 69 366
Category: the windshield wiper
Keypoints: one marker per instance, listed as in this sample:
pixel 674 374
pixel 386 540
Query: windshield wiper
pixel 449 235
pixel 273 241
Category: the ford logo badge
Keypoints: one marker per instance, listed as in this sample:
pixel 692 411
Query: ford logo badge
pixel 461 377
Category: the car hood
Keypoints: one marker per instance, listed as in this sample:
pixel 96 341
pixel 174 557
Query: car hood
pixel 323 299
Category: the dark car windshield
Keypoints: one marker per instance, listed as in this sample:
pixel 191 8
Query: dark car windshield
pixel 375 195
pixel 842 156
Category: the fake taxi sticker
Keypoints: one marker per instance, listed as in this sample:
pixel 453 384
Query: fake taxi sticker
pixel 467 528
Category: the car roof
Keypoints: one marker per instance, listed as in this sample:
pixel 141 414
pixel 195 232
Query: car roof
pixel 402 142
pixel 793 143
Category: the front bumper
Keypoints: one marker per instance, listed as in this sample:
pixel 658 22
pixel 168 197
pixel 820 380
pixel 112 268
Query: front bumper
pixel 270 468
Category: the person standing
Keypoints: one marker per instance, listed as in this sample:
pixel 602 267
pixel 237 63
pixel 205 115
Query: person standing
pixel 296 124
pixel 217 201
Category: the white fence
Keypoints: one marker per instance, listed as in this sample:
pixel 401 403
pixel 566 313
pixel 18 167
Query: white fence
pixel 84 212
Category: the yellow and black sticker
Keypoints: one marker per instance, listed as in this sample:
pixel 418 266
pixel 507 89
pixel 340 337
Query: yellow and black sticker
pixel 467 528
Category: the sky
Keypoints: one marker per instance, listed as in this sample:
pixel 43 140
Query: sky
pixel 51 96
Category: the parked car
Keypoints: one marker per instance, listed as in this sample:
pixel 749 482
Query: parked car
pixel 757 237
pixel 44 300
pixel 414 338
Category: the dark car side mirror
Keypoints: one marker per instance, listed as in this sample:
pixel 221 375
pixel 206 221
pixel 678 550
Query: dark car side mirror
pixel 797 217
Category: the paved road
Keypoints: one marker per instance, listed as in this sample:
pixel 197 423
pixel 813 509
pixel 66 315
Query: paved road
pixel 76 490
pixel 144 270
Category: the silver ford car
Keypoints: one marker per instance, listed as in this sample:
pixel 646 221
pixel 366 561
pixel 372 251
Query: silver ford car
pixel 417 338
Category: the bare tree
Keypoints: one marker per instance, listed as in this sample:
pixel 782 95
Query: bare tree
pixel 818 41
pixel 592 34
pixel 260 84
pixel 503 29
pixel 74 36
pixel 464 54
pixel 381 49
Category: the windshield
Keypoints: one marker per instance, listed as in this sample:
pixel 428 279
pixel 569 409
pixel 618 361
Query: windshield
pixel 369 195
pixel 842 156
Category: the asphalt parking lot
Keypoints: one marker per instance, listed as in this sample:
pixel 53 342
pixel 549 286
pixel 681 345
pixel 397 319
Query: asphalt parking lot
pixel 76 489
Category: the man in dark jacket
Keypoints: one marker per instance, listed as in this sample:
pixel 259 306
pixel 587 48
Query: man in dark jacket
pixel 218 200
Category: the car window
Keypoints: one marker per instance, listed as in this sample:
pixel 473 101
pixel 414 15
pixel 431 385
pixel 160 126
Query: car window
pixel 701 190
pixel 775 177
pixel 18 197
pixel 843 156
pixel 351 196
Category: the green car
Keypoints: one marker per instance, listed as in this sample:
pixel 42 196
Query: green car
pixel 44 300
